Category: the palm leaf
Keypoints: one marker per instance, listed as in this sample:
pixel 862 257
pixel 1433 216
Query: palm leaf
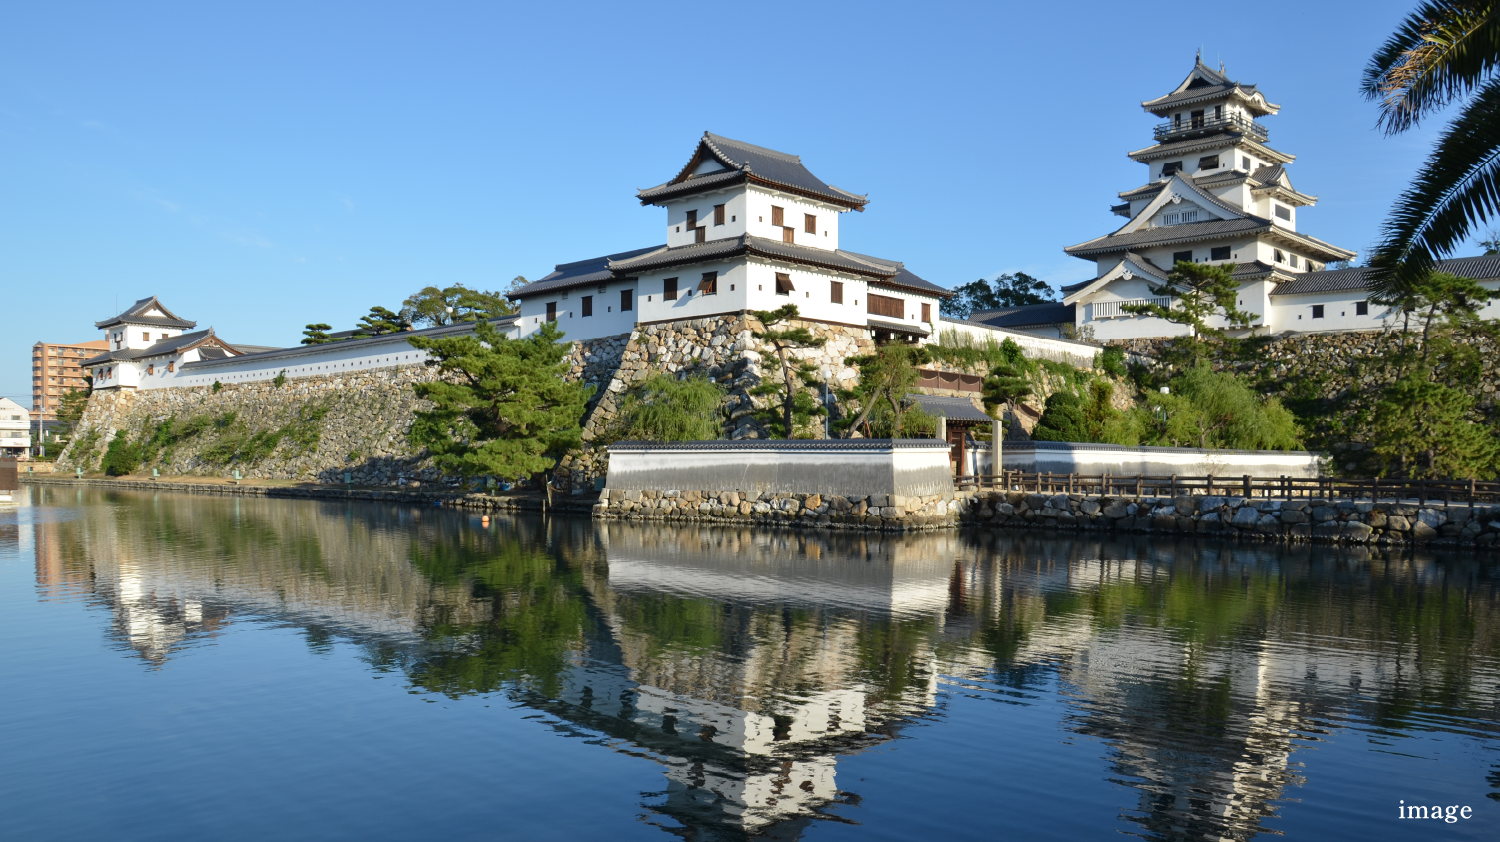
pixel 1442 52
pixel 1457 189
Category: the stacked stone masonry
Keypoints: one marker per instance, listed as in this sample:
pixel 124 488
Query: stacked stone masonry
pixel 876 511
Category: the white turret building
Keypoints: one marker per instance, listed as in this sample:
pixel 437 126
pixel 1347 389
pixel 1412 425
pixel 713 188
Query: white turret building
pixel 1216 192
pixel 747 228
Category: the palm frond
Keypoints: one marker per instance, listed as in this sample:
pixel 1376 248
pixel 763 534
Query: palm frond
pixel 1441 52
pixel 1457 190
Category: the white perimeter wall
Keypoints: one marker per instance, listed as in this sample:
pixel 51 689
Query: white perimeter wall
pixel 1036 347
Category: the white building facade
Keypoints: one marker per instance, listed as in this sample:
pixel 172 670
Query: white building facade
pixel 1217 193
pixel 15 429
pixel 747 228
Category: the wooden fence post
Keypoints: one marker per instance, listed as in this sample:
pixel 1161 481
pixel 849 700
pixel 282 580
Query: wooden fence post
pixel 1139 480
pixel 1174 485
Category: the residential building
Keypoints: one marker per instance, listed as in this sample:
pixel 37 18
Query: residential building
pixel 57 369
pixel 1218 193
pixel 15 429
pixel 747 228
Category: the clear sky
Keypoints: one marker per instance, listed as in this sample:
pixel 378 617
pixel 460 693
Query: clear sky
pixel 264 165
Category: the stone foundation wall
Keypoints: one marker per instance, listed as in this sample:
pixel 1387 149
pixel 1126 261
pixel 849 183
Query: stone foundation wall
pixel 876 511
pixel 1351 522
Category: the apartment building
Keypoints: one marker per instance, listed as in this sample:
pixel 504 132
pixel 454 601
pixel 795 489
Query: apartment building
pixel 55 371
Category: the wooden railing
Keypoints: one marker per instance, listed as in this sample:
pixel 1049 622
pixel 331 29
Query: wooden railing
pixel 1279 488
pixel 1115 309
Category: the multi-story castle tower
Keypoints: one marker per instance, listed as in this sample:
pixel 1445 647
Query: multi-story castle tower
pixel 1217 192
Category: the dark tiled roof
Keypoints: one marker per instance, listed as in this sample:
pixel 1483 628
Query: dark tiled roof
pixel 1202 82
pixel 904 277
pixel 1166 234
pixel 898 327
pixel 132 315
pixel 764 247
pixel 1027 315
pixel 1252 269
pixel 1482 268
pixel 1183 147
pixel 954 409
pixel 579 273
pixel 158 349
pixel 754 163
pixel 1268 175
pixel 304 350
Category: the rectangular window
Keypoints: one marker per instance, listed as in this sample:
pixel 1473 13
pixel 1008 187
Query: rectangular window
pixel 1219 112
pixel 776 216
pixel 172 366
pixel 1293 260
pixel 1317 311
pixel 789 235
pixel 551 311
pixel 1361 308
pixel 1208 162
pixel 1220 253
pixel 1283 213
pixel 692 219
pixel 627 300
pixel 586 306
pixel 881 305
pixel 700 235
pixel 1280 258
pixel 150 369
pixel 710 283
pixel 718 214
pixel 1197 117
pixel 926 312
pixel 1245 164
pixel 669 289
pixel 1171 167
pixel 836 292
pixel 145 337
pixel 784 284
pixel 810 223
pixel 1181 257
pixel 1177 217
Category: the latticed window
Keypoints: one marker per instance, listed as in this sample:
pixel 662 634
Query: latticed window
pixel 884 305
pixel 784 284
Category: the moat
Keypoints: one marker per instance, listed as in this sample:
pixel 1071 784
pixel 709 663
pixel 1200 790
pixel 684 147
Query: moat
pixel 252 668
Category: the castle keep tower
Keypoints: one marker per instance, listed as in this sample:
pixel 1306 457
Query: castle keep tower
pixel 1216 192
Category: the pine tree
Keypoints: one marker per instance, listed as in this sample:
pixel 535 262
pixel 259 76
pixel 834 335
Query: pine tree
pixel 503 406
pixel 316 334
pixel 381 321
pixel 1007 381
pixel 1201 291
pixel 796 390
pixel 885 379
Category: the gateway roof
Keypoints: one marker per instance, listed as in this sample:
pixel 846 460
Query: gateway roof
pixel 1027 315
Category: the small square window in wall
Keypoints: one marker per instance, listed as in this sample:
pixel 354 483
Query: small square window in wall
pixel 586 306
pixel 1361 308
pixel 669 289
pixel 836 292
pixel 1317 311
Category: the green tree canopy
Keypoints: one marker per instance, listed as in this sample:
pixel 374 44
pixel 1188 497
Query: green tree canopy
pixel 885 379
pixel 503 407
pixel 1008 290
pixel 1446 52
pixel 381 321
pixel 72 403
pixel 1215 409
pixel 316 334
pixel 434 307
pixel 665 408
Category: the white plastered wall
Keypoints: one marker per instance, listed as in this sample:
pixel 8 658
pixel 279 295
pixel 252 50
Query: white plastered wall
pixel 758 218
pixel 608 319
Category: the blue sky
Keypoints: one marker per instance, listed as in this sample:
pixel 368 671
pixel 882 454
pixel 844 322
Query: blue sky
pixel 261 166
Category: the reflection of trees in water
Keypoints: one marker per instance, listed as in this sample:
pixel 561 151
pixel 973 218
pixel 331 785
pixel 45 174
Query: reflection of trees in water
pixel 747 662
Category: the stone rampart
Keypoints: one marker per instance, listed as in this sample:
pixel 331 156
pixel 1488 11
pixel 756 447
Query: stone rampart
pixel 1346 521
pixel 834 511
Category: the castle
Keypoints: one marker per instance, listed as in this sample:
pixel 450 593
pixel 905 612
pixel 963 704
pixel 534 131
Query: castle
pixel 1216 192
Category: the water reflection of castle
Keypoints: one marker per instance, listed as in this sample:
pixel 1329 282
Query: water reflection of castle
pixel 747 664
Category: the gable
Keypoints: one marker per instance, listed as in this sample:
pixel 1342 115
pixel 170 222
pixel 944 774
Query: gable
pixel 708 165
pixel 1180 202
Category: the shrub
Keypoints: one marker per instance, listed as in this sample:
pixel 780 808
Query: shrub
pixel 664 408
pixel 122 457
pixel 1062 419
pixel 1111 361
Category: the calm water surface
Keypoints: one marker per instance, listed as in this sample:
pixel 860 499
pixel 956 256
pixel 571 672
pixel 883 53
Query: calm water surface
pixel 194 667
